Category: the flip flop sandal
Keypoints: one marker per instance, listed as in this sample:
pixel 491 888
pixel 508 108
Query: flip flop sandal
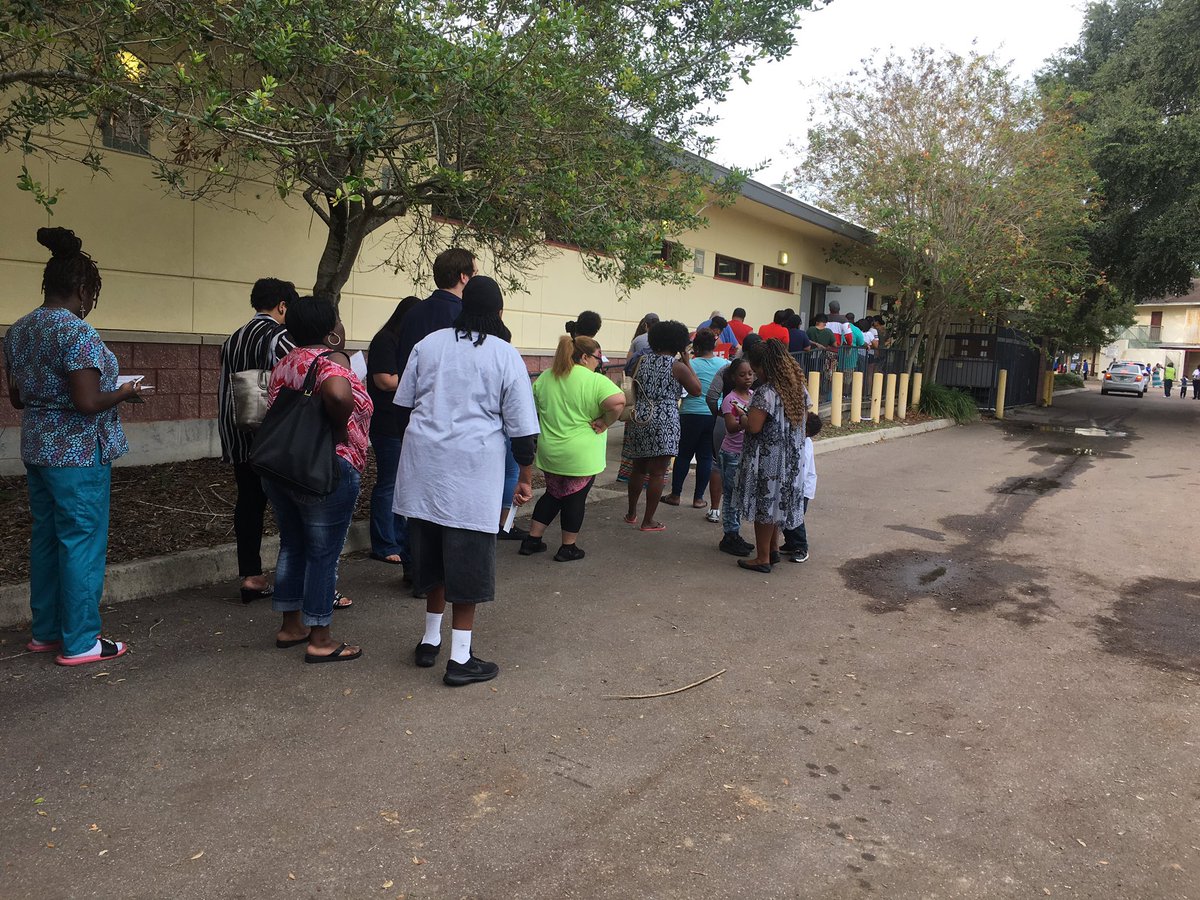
pixel 36 646
pixel 335 656
pixel 338 597
pixel 629 520
pixel 669 501
pixel 283 645
pixel 699 504
pixel 657 526
pixel 108 650
pixel 249 595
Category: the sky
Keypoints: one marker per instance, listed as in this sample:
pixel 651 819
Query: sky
pixel 760 119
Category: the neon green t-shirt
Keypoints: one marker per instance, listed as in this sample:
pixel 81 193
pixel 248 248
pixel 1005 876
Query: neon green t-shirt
pixel 566 408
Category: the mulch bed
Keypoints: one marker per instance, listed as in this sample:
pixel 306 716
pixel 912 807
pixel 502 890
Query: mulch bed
pixel 828 431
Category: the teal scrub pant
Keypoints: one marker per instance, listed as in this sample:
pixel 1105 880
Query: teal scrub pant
pixel 69 506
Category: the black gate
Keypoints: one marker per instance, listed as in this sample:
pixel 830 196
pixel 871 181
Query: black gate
pixel 974 355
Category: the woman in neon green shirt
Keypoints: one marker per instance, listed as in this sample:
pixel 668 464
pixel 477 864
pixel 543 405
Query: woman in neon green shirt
pixel 576 405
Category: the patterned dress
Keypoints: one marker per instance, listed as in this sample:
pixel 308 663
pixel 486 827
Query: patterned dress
pixel 654 430
pixel 770 485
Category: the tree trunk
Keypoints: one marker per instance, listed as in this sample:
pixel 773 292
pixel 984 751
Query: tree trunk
pixel 347 229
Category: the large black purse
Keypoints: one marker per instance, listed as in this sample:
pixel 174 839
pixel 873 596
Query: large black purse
pixel 295 445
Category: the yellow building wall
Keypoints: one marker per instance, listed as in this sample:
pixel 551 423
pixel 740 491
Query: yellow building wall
pixel 1180 324
pixel 177 267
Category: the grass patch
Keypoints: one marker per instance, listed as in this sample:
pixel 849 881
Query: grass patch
pixel 948 403
pixel 1065 380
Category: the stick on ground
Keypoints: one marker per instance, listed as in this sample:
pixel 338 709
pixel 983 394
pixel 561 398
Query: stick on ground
pixel 686 687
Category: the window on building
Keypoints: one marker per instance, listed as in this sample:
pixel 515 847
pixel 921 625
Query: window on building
pixel 698 262
pixel 127 130
pixel 777 279
pixel 731 269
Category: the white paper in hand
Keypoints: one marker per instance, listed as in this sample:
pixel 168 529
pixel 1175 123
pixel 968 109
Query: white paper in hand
pixel 358 365
pixel 512 518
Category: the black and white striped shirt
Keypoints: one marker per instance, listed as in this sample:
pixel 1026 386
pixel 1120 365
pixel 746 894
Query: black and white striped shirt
pixel 258 344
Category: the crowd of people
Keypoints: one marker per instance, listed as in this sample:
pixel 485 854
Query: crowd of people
pixel 446 403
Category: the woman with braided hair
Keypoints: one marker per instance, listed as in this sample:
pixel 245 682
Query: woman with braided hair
pixel 770 485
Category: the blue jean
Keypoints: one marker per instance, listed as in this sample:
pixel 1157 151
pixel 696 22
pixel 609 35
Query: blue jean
pixel 731 521
pixel 67 550
pixel 695 439
pixel 797 538
pixel 512 472
pixel 312 533
pixel 389 532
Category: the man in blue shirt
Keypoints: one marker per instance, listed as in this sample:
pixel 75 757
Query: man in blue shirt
pixel 452 270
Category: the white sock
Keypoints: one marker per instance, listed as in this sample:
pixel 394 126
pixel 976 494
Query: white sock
pixel 460 645
pixel 433 629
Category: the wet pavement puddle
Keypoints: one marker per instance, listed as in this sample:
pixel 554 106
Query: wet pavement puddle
pixel 1157 622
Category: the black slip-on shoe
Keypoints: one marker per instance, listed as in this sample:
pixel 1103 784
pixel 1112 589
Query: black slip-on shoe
pixel 426 655
pixel 569 553
pixel 513 534
pixel 473 670
pixel 532 545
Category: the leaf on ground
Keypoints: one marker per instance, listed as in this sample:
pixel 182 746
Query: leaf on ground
pixel 388 883
pixel 198 855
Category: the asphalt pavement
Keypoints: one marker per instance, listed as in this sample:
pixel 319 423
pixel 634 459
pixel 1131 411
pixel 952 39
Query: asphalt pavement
pixel 983 683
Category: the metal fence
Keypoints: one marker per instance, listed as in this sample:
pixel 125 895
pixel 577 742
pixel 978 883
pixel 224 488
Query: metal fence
pixel 972 360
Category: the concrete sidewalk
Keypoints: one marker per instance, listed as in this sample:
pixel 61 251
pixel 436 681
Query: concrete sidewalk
pixel 158 575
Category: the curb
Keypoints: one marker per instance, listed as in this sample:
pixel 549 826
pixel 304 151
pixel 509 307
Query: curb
pixel 883 434
pixel 140 578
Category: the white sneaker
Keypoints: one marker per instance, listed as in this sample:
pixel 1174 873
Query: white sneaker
pixel 713 515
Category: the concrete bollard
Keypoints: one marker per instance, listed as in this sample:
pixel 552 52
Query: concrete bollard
pixel 856 381
pixel 889 398
pixel 916 395
pixel 1001 388
pixel 902 411
pixel 814 393
pixel 876 396
pixel 835 402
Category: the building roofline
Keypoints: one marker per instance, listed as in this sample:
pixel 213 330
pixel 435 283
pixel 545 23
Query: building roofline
pixel 758 192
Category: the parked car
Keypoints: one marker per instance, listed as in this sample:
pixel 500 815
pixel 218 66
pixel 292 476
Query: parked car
pixel 1125 378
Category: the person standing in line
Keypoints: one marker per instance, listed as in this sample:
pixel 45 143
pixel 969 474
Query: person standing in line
pixel 466 389
pixel 312 530
pixel 389 532
pixel 1196 383
pixel 576 404
pixel 770 486
pixel 64 381
pixel 639 346
pixel 654 430
pixel 737 325
pixel 1183 382
pixel 739 379
pixel 798 339
pixel 1168 378
pixel 777 327
pixel 835 313
pixel 696 424
pixel 795 540
pixel 259 344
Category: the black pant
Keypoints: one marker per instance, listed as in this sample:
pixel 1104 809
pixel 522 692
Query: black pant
pixel 571 508
pixel 248 519
pixel 1168 383
pixel 695 440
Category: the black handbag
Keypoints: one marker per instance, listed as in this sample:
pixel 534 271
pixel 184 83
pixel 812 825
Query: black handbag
pixel 295 445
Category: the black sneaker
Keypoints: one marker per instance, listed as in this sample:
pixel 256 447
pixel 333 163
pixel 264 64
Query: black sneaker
pixel 426 655
pixel 734 545
pixel 568 553
pixel 532 545
pixel 800 556
pixel 474 669
pixel 513 534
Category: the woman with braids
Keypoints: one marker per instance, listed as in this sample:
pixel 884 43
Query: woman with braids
pixel 576 405
pixel 64 381
pixel 770 484
pixel 653 433
pixel 467 388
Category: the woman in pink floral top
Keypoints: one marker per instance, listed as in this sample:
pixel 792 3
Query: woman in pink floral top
pixel 312 530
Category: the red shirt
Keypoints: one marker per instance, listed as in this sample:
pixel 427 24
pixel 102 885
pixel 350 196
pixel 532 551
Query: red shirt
pixel 291 372
pixel 773 330
pixel 740 330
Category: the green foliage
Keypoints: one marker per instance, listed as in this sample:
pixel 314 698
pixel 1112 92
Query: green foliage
pixel 979 191
pixel 504 120
pixel 1064 380
pixel 1131 81
pixel 948 403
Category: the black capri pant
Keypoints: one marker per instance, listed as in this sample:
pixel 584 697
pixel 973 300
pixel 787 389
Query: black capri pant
pixel 571 508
